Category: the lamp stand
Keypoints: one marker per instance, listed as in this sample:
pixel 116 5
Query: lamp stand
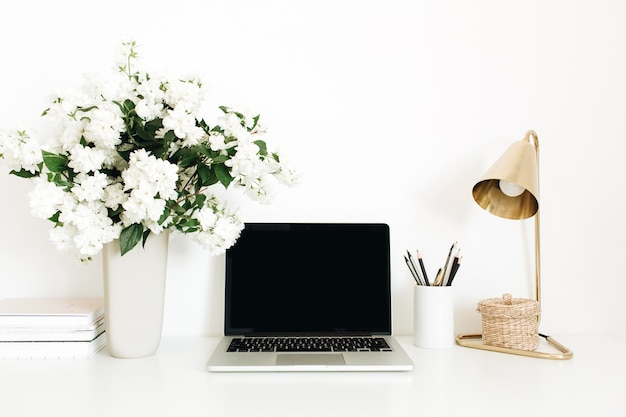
pixel 465 339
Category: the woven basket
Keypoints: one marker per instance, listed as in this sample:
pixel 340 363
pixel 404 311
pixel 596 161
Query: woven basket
pixel 510 322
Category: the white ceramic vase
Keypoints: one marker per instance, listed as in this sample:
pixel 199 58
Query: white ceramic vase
pixel 134 295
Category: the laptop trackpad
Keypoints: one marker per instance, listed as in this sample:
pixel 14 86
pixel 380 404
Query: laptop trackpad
pixel 309 359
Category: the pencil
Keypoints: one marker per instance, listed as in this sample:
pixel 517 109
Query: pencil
pixel 438 278
pixel 417 272
pixel 408 263
pixel 455 268
pixel 424 274
pixel 448 264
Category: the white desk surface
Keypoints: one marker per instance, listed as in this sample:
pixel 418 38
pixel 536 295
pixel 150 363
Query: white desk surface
pixel 451 382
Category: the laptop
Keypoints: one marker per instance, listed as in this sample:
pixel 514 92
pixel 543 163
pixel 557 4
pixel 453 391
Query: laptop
pixel 309 297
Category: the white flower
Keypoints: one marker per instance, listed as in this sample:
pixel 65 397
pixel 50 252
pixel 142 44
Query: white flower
pixel 61 238
pixel 65 103
pixel 69 134
pixel 220 227
pixel 228 229
pixel 261 189
pixel 151 175
pixel 231 124
pixel 45 199
pixel 285 171
pixel 185 94
pixel 114 195
pixel 149 109
pixel 20 150
pixel 206 217
pixel 104 127
pixel 219 238
pixel 154 210
pixel 180 121
pixel 89 187
pixel 96 85
pixel 88 243
pixel 246 162
pixel 139 206
pixel 85 159
pixel 30 156
pixel 88 226
pixel 150 105
pixel 216 141
pixel 150 89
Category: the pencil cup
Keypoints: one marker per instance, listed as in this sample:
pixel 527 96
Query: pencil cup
pixel 433 317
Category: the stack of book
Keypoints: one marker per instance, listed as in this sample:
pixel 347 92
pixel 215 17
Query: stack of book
pixel 51 327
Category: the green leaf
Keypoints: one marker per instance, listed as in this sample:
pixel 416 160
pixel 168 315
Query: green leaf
pixel 129 105
pixel 154 124
pixel 142 132
pixel 256 121
pixel 55 218
pixel 176 208
pixel 54 162
pixel 169 136
pixel 145 237
pixel 200 199
pixel 186 206
pixel 186 158
pixel 203 150
pixel 188 226
pixel 129 237
pixel 86 109
pixel 164 216
pixel 220 159
pixel 190 223
pixel 262 146
pixel 223 175
pixel 23 173
pixel 217 129
pixel 205 173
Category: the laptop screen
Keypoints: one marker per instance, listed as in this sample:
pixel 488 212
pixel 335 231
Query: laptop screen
pixel 309 279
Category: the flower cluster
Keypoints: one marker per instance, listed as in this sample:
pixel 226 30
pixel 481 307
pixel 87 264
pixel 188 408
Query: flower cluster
pixel 133 156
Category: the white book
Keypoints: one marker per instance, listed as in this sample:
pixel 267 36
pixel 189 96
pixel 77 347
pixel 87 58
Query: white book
pixel 52 333
pixel 44 312
pixel 52 350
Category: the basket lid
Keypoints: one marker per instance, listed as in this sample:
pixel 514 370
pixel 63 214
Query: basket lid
pixel 508 307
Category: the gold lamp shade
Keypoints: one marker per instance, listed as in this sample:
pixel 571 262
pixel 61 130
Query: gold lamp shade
pixel 515 172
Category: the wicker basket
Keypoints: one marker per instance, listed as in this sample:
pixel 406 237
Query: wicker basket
pixel 510 322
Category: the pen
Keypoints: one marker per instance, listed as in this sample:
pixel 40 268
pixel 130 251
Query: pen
pixel 424 274
pixel 447 265
pixel 438 278
pixel 408 263
pixel 455 268
pixel 451 264
pixel 417 273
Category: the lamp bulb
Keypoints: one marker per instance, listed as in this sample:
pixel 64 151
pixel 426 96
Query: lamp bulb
pixel 511 189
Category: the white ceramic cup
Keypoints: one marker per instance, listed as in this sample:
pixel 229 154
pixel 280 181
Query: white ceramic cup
pixel 433 317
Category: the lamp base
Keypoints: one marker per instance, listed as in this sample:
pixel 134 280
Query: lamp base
pixel 470 341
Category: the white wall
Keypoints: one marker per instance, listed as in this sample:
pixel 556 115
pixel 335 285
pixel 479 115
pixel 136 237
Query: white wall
pixel 393 109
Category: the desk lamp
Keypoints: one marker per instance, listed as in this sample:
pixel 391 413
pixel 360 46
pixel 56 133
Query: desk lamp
pixel 510 189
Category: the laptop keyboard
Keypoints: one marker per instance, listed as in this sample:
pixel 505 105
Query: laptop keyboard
pixel 309 344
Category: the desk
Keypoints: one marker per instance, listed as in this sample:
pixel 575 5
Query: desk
pixel 451 382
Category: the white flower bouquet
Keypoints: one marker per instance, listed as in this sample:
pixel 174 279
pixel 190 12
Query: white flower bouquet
pixel 132 156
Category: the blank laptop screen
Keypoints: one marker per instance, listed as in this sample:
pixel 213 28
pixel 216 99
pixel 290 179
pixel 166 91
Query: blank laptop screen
pixel 324 279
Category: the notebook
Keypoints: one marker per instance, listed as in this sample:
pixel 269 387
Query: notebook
pixel 309 297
